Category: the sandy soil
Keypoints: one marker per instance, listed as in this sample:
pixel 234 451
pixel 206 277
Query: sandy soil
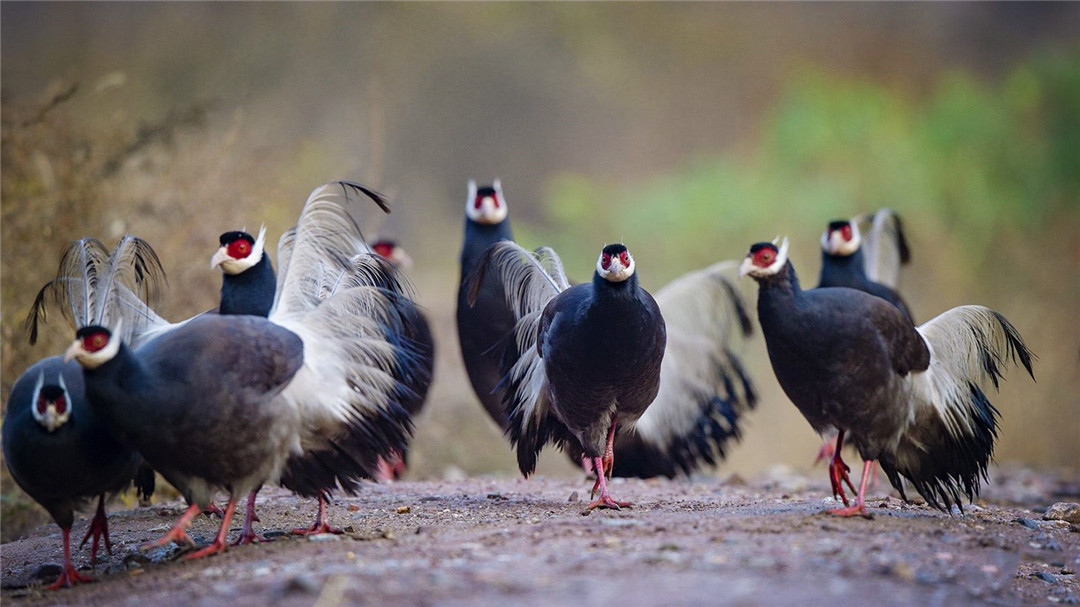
pixel 512 541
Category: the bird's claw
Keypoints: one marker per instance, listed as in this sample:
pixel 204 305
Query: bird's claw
pixel 838 474
pixel 213 548
pixel 69 577
pixel 856 510
pixel 605 501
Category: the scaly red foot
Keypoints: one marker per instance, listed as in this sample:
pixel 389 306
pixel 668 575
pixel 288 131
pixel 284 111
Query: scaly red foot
pixel 68 575
pixel 826 451
pixel 838 471
pixel 178 531
pixel 859 508
pixel 855 510
pixel 605 500
pixel 219 544
pixel 99 528
pixel 247 533
pixel 321 525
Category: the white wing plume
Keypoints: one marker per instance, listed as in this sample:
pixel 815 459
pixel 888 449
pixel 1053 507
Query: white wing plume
pixel 949 441
pixel 884 246
pixel 704 388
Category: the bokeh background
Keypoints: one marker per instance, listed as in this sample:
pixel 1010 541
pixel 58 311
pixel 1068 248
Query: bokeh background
pixel 688 131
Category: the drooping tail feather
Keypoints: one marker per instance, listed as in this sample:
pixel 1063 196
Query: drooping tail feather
pixel 946 449
pixel 530 280
pixel 704 389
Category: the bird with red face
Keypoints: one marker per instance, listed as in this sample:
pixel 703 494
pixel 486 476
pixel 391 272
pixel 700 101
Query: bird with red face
pixel 560 381
pixel 864 253
pixel 869 263
pixel 911 398
pixel 57 449
pixel 483 325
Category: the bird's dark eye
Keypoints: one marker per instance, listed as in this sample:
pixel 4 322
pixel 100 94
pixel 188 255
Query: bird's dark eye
pixel 764 258
pixel 624 257
pixel 479 202
pixel 605 260
pixel 239 249
pixel 846 232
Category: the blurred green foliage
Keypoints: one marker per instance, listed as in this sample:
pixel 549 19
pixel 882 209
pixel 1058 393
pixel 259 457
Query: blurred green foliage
pixel 993 157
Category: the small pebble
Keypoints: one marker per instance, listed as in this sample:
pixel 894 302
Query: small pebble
pixel 574 497
pixel 353 508
pixel 1063 511
pixel 1049 578
pixel 323 537
pixel 404 510
pixel 303 583
pixel 1026 522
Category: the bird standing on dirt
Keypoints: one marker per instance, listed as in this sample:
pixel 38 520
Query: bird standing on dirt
pixel 313 399
pixel 55 447
pixel 482 326
pixel 582 359
pixel 864 253
pixel 908 397
pixel 424 343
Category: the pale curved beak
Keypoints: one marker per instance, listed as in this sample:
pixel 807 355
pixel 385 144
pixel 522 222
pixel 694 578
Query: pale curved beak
pixel 73 350
pixel 745 267
pixel 219 258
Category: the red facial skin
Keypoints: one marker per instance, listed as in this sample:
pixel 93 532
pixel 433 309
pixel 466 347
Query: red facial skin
pixel 95 341
pixel 764 258
pixel 384 249
pixel 239 248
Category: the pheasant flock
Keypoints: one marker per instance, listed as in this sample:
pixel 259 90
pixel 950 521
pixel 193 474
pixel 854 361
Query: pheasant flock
pixel 309 377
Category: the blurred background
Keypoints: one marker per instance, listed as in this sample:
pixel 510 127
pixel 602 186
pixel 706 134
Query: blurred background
pixel 688 131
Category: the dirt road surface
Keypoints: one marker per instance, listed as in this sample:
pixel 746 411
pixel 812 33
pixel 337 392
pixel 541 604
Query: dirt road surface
pixel 507 541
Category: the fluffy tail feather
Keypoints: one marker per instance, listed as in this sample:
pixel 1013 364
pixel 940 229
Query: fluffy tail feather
pixel 704 389
pixel 96 286
pixel 946 449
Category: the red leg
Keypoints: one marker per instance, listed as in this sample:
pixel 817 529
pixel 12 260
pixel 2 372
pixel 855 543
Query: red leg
pixel 838 471
pixel 219 544
pixel 247 534
pixel 828 448
pixel 389 468
pixel 99 528
pixel 68 576
pixel 177 533
pixel 605 500
pixel 586 465
pixel 321 524
pixel 608 460
pixel 859 509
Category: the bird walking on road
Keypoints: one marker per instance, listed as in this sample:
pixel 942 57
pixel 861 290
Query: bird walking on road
pixel 911 398
pixel 582 360
pixel 55 446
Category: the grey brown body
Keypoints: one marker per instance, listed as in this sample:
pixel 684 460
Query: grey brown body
pixel 199 402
